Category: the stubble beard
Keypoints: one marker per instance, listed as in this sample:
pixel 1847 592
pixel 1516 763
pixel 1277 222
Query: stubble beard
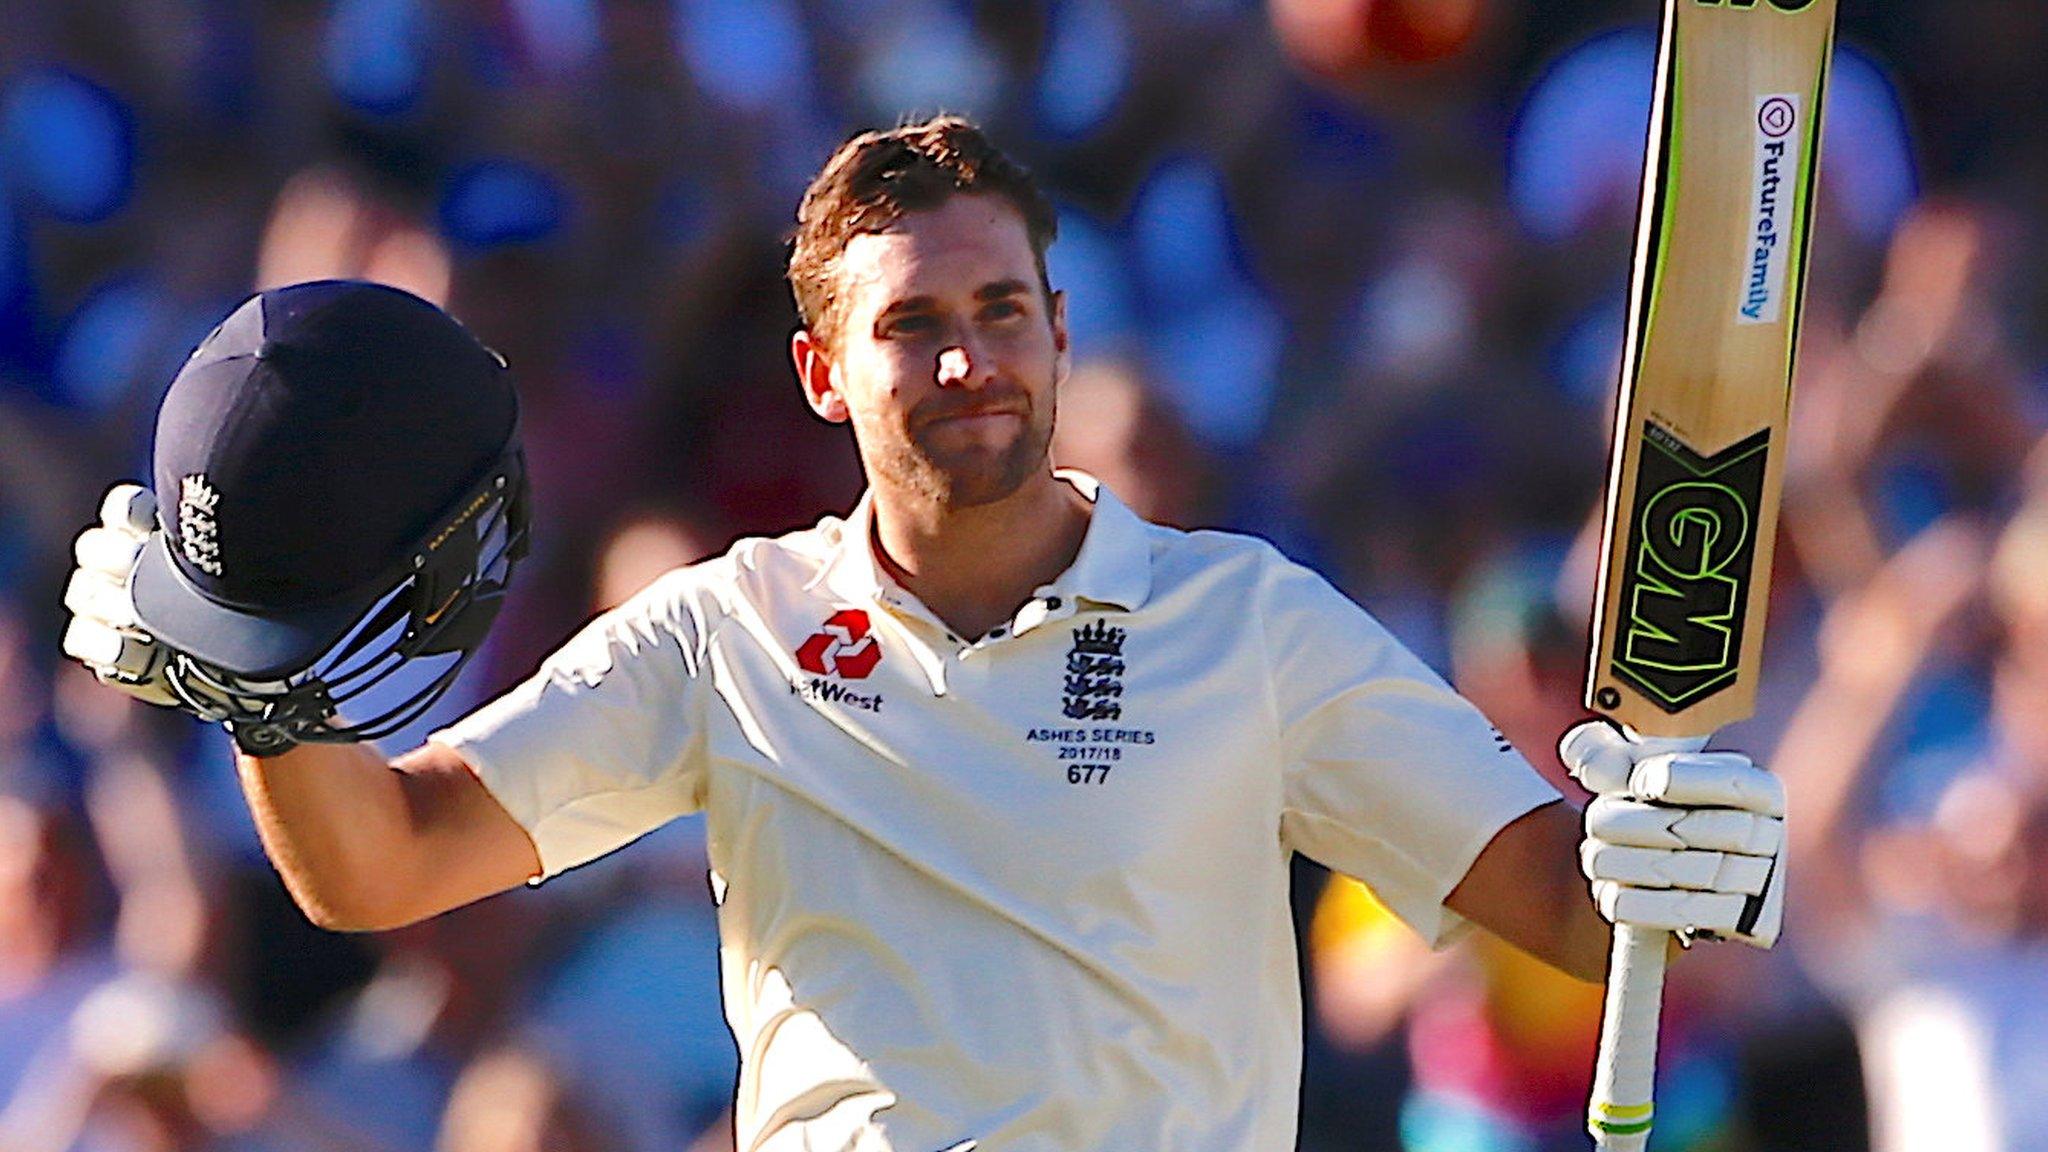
pixel 955 479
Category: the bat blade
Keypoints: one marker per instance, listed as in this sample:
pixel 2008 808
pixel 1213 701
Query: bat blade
pixel 1692 497
pixel 1698 458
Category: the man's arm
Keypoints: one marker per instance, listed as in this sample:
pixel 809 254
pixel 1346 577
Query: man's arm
pixel 361 844
pixel 365 845
pixel 1526 888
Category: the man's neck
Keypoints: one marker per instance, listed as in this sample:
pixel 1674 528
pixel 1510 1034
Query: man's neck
pixel 974 567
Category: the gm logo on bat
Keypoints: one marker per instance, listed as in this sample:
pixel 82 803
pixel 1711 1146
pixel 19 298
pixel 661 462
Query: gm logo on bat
pixel 1693 540
pixel 1780 5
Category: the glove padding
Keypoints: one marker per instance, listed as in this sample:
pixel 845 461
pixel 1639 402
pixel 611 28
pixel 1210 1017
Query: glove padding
pixel 1679 839
pixel 104 634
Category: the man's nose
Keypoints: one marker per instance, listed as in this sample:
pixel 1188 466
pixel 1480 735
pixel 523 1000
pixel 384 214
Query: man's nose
pixel 957 366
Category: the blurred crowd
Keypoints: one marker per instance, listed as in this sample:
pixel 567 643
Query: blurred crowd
pixel 1346 273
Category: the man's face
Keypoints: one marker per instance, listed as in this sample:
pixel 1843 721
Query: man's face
pixel 946 354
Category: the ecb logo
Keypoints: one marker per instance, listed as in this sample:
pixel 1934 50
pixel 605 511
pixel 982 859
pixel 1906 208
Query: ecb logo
pixel 1094 685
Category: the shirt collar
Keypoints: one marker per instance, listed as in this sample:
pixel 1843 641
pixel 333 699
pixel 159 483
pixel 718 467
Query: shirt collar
pixel 1113 567
pixel 1115 562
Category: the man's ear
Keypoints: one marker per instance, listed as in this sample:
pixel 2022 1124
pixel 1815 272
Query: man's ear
pixel 1061 342
pixel 816 372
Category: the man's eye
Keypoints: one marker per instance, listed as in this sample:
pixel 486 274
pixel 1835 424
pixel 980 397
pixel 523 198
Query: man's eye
pixel 913 325
pixel 1002 310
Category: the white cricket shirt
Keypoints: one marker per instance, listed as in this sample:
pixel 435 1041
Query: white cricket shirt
pixel 1032 890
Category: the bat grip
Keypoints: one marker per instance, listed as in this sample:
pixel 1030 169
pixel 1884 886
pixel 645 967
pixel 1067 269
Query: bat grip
pixel 1619 1114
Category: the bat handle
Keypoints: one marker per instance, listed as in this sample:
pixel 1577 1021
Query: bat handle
pixel 1619 1114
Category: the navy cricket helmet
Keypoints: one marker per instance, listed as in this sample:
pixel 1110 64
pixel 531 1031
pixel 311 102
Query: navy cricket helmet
pixel 340 491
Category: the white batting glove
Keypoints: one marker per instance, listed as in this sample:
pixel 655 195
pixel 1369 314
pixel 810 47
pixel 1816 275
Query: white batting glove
pixel 1678 839
pixel 104 634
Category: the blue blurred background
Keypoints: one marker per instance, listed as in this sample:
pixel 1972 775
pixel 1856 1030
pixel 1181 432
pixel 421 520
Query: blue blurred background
pixel 1349 274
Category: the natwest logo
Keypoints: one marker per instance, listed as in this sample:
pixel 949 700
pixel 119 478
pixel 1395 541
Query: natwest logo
pixel 841 648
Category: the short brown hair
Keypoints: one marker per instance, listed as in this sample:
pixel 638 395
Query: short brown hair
pixel 876 177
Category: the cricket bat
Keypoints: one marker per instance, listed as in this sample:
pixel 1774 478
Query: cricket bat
pixel 1699 437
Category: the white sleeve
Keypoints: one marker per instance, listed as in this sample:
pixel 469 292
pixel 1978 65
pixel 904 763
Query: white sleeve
pixel 606 741
pixel 1389 775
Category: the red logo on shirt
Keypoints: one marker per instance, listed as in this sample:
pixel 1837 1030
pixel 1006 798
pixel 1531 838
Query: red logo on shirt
pixel 842 648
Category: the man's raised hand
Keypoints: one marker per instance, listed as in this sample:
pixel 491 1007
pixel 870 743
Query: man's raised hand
pixel 104 634
pixel 1679 839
